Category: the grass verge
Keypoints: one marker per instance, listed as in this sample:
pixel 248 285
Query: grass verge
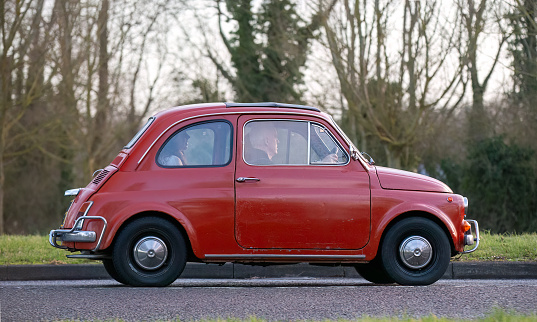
pixel 504 247
pixel 497 315
pixel 17 250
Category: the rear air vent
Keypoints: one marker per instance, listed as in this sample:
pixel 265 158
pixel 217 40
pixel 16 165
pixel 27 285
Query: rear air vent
pixel 100 177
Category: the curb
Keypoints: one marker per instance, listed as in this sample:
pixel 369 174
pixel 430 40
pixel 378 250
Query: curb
pixel 456 270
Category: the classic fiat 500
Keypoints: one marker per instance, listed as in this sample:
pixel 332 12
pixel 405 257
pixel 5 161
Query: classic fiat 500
pixel 261 184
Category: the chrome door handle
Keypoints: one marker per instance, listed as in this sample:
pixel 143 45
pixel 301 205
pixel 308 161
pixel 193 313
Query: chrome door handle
pixel 243 179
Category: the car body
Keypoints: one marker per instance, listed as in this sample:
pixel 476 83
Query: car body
pixel 188 187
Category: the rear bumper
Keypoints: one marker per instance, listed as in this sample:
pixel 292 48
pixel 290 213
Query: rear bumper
pixel 77 236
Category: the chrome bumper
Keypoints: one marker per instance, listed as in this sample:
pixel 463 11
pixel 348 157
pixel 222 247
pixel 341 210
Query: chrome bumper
pixel 469 238
pixel 77 236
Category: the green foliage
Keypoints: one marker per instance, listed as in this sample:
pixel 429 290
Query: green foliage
pixel 523 49
pixel 267 51
pixel 244 51
pixel 500 183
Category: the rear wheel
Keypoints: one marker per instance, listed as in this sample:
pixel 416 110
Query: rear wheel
pixel 415 251
pixel 150 251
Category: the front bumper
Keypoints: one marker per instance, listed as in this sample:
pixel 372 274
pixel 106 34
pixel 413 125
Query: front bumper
pixel 77 236
pixel 469 238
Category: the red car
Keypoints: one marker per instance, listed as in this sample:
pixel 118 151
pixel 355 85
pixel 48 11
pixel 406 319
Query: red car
pixel 260 183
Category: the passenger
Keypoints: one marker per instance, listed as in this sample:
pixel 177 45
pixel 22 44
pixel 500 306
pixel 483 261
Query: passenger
pixel 173 153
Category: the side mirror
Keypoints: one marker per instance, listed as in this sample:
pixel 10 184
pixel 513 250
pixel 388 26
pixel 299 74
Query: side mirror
pixel 371 161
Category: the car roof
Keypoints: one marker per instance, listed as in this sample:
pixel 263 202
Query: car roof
pixel 210 108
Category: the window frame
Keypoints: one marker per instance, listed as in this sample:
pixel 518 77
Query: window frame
pixel 184 128
pixel 308 139
pixel 139 134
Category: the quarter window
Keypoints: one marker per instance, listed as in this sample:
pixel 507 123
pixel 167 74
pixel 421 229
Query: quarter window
pixel 198 145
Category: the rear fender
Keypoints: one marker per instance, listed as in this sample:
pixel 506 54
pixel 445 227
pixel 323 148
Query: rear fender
pixel 119 219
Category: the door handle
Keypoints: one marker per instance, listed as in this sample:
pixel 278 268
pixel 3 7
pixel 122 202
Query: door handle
pixel 243 179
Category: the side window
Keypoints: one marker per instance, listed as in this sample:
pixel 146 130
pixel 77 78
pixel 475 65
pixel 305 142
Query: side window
pixel 285 142
pixel 198 145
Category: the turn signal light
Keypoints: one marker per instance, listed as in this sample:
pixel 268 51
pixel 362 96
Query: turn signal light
pixel 83 212
pixel 84 208
pixel 466 226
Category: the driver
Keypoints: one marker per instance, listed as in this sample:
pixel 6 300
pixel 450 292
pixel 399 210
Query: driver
pixel 264 144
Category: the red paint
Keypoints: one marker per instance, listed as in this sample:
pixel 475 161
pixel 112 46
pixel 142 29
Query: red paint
pixel 292 210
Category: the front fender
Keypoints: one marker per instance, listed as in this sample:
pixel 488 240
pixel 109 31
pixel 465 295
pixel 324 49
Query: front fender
pixel 385 211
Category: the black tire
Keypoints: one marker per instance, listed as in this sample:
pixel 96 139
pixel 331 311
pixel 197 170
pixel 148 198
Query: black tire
pixel 374 272
pixel 150 251
pixel 111 270
pixel 415 251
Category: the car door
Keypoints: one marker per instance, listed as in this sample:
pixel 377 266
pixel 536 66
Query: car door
pixel 306 194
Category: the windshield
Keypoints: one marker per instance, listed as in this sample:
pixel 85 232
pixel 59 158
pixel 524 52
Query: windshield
pixel 354 150
pixel 139 134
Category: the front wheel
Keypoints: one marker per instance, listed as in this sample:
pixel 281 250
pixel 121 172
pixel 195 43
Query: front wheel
pixel 373 272
pixel 149 251
pixel 111 270
pixel 415 251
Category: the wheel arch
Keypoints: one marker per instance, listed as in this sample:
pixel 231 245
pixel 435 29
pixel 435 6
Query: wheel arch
pixel 420 214
pixel 153 213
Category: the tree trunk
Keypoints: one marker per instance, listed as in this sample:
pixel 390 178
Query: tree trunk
pixel 2 181
pixel 98 152
pixel 478 122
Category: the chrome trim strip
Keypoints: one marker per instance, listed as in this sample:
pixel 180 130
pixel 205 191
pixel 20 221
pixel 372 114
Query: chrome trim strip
pixel 140 133
pixel 352 147
pixel 57 234
pixel 309 143
pixel 281 256
pixel 476 239
pixel 79 236
pixel 78 225
pixel 225 113
pixel 90 256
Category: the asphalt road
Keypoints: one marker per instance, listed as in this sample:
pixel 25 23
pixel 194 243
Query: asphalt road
pixel 273 299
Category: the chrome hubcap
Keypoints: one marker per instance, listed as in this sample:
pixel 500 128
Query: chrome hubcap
pixel 150 253
pixel 416 252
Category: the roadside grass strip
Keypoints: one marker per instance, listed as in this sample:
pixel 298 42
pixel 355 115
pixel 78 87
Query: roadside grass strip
pixel 504 247
pixel 35 249
pixel 497 315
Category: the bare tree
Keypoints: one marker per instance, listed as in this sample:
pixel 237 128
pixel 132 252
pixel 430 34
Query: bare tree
pixel 476 15
pixel 76 79
pixel 24 35
pixel 103 92
pixel 392 83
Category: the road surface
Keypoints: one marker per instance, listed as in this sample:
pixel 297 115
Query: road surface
pixel 272 299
